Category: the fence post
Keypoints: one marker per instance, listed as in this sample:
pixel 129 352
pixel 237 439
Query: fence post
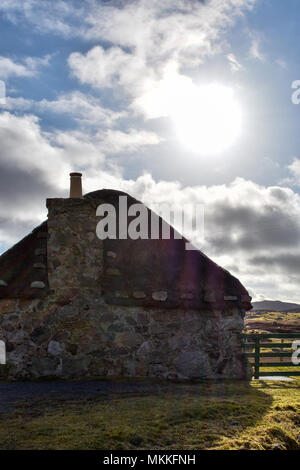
pixel 256 366
pixel 281 357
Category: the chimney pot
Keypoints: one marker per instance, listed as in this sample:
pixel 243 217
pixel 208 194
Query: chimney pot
pixel 75 185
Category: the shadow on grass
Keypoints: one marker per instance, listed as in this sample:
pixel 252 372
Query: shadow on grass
pixel 279 385
pixel 169 416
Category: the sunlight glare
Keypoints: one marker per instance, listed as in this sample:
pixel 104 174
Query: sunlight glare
pixel 207 119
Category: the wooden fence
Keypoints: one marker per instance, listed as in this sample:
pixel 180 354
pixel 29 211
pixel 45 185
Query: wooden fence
pixel 265 348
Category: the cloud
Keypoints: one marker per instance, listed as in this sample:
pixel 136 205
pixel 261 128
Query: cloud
pixel 24 146
pixel 294 169
pixel 84 108
pixel 106 68
pixel 10 68
pixel 116 141
pixel 150 44
pixel 155 30
pixel 29 148
pixel 29 66
pixel 287 263
pixel 255 49
pixel 234 63
pixel 35 164
pixel 60 17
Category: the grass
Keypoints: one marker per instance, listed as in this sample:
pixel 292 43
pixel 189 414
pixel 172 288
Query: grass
pixel 275 316
pixel 227 415
pixel 287 321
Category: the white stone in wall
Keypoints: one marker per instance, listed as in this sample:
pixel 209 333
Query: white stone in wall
pixel 160 295
pixel 111 254
pixel 3 283
pixel 38 285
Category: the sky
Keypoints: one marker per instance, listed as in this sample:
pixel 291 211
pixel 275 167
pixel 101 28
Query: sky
pixel 180 101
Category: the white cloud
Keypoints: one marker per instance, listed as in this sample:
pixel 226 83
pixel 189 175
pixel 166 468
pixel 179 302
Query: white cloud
pixel 61 17
pixel 105 68
pixel 294 169
pixel 10 68
pixel 181 28
pixel 29 67
pixel 29 148
pixel 151 42
pixel 81 107
pixel 18 103
pixel 84 108
pixel 234 63
pixel 116 141
pixel 255 49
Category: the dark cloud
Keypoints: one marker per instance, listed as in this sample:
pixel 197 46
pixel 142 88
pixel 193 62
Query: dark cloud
pixel 19 185
pixel 230 228
pixel 287 263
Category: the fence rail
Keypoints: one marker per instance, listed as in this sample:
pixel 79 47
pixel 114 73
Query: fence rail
pixel 258 341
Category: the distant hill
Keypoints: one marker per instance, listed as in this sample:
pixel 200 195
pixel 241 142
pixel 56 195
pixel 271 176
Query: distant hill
pixel 276 306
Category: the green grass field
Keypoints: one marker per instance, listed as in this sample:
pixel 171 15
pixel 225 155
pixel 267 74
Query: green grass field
pixel 228 415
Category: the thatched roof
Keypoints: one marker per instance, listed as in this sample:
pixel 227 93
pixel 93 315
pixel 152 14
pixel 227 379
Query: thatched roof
pixel 24 264
pixel 190 277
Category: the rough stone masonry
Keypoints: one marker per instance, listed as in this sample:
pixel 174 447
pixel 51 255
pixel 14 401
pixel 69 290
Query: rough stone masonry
pixel 75 306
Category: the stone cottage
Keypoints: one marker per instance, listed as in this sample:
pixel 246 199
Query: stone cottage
pixel 74 306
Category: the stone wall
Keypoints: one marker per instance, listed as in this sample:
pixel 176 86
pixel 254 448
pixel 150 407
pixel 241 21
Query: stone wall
pixel 86 337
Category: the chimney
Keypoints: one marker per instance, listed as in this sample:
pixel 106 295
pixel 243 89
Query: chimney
pixel 75 185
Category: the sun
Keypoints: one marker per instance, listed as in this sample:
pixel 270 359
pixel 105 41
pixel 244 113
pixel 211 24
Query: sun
pixel 207 119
